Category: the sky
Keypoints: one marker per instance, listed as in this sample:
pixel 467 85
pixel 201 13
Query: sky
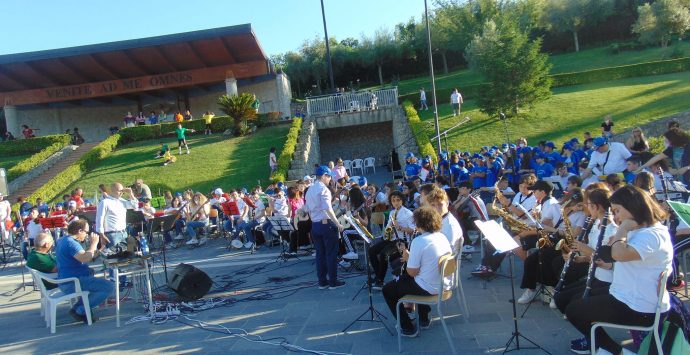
pixel 280 25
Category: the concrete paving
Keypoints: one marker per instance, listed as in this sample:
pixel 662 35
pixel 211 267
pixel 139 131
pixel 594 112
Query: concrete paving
pixel 287 308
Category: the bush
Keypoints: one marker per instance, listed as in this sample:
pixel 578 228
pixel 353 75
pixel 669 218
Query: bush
pixel 161 130
pixel 288 151
pixel 617 48
pixel 417 127
pixel 72 173
pixel 32 145
pixel 35 160
pixel 622 72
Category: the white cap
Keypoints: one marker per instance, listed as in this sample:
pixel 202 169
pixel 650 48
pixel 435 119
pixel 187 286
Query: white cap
pixel 307 177
pixel 218 192
pixel 72 203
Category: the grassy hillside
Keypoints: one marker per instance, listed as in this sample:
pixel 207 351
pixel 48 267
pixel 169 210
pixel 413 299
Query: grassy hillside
pixel 215 161
pixel 573 110
pixel 562 63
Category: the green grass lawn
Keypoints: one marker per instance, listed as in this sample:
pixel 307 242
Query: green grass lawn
pixel 8 162
pixel 215 161
pixel 562 63
pixel 571 111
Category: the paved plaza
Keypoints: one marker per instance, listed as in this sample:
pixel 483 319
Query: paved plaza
pixel 285 305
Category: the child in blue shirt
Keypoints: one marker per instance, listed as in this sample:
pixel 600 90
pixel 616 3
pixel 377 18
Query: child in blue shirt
pixel 494 169
pixel 478 173
pixel 543 169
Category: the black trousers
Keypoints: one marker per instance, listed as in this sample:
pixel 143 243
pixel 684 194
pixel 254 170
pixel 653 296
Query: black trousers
pixel 396 289
pixel 574 291
pixel 575 272
pixel 379 255
pixel 604 308
pixel 543 274
pixel 300 236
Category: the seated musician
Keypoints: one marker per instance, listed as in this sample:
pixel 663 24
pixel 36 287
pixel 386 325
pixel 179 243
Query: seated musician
pixel 437 198
pixel 400 226
pixel 470 208
pixel 297 215
pixel 41 259
pixel 240 219
pixel 538 267
pixel 360 212
pixel 422 276
pixel 279 206
pixel 197 218
pixel 642 250
pixel 257 218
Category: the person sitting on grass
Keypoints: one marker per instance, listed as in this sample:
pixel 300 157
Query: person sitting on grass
pixel 41 259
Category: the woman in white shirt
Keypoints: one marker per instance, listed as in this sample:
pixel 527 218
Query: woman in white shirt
pixel 642 250
pixel 423 276
pixel 198 218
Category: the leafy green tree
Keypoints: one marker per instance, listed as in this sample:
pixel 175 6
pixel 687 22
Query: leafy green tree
pixel 379 50
pixel 515 70
pixel 573 15
pixel 239 107
pixel 658 22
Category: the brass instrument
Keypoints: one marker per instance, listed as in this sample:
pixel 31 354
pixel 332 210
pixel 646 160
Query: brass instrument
pixel 513 223
pixel 565 244
pixel 390 232
pixel 544 239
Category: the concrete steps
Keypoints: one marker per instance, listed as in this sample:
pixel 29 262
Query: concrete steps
pixel 58 167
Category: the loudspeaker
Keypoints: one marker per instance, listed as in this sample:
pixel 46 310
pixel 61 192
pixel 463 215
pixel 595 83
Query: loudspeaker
pixel 189 282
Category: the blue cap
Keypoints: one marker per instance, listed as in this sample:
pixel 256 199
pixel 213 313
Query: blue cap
pixel 567 146
pixel 362 181
pixel 244 190
pixel 599 141
pixel 504 145
pixel 486 147
pixel 59 204
pixel 409 155
pixel 457 152
pixel 550 144
pixel 461 163
pixel 324 170
pixel 574 140
pixel 425 161
pixel 493 147
pixel 87 201
pixel 178 194
pixel 539 156
pixel 280 184
pixel 512 146
pixel 476 156
pixel 526 150
pixel 466 154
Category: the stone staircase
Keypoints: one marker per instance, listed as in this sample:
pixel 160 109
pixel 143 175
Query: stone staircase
pixel 307 151
pixel 33 184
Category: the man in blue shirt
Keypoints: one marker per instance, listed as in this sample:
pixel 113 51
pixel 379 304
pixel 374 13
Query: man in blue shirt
pixel 478 173
pixel 542 169
pixel 72 261
pixel 552 156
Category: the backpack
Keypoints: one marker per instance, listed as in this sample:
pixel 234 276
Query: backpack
pixel 674 333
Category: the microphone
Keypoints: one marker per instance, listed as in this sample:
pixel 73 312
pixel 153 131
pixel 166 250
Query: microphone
pixel 529 215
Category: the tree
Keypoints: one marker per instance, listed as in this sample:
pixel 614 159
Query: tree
pixel 517 73
pixel 380 50
pixel 658 22
pixel 573 15
pixel 239 108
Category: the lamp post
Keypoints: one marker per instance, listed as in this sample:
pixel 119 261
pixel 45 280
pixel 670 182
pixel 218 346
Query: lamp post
pixel 433 79
pixel 328 50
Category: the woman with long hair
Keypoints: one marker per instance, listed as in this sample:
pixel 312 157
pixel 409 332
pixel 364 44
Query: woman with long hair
pixel 642 251
pixel 637 143
pixel 198 217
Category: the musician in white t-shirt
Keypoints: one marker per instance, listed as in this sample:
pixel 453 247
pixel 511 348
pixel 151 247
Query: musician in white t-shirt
pixel 423 276
pixel 5 210
pixel 607 158
pixel 437 198
pixel 642 250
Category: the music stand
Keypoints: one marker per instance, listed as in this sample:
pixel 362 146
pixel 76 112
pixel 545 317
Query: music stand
pixel 375 315
pixel 89 216
pixel 136 217
pixel 504 243
pixel 281 224
pixel 162 224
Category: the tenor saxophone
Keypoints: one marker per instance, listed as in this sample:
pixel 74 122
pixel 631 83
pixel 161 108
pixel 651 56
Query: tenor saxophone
pixel 513 223
pixel 565 244
pixel 389 232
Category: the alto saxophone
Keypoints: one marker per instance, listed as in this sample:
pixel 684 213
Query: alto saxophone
pixel 565 245
pixel 513 223
pixel 389 231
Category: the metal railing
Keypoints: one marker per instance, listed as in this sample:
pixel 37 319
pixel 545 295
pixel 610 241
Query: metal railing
pixel 352 101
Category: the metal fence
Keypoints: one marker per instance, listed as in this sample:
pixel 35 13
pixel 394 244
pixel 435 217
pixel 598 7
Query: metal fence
pixel 352 101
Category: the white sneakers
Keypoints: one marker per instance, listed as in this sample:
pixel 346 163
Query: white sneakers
pixel 527 296
pixel 344 264
pixel 552 304
pixel 179 237
pixel 203 240
pixel 248 245
pixel 171 245
pixel 548 292
pixel 351 256
pixel 192 241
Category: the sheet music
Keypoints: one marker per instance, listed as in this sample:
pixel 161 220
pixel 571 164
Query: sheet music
pixel 497 236
pixel 359 230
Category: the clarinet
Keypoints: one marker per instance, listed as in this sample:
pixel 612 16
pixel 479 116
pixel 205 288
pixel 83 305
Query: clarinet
pixel 592 264
pixel 589 223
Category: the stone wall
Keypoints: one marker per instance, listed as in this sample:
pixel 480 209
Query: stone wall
pixel 274 93
pixel 357 142
pixel 656 128
pixel 307 151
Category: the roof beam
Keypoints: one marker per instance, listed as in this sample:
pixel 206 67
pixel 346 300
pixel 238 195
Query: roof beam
pixel 12 79
pixel 165 58
pixel 76 70
pixel 229 50
pixel 195 52
pixel 104 67
pixel 52 80
pixel 137 63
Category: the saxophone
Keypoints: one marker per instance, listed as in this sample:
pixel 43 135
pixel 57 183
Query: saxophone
pixel 390 232
pixel 513 223
pixel 565 244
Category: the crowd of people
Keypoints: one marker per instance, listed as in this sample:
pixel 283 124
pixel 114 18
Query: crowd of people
pixel 600 191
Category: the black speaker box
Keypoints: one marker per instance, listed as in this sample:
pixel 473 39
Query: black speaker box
pixel 189 282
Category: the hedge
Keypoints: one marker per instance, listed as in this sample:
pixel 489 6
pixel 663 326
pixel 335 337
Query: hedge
pixel 156 131
pixel 35 160
pixel 32 145
pixel 576 78
pixel 288 150
pixel 419 131
pixel 72 173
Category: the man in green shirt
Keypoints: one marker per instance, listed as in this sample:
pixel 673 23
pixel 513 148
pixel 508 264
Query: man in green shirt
pixel 181 139
pixel 40 258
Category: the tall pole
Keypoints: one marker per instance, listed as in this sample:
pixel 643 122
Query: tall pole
pixel 328 50
pixel 433 80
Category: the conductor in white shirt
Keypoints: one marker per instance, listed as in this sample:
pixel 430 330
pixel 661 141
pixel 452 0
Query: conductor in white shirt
pixel 111 216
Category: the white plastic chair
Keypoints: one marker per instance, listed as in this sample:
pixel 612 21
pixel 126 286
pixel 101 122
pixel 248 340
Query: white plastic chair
pixel 357 164
pixel 448 266
pixel 654 328
pixel 36 281
pixel 51 298
pixel 348 166
pixel 369 163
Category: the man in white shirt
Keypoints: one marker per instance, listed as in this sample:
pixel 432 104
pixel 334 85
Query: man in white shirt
pixel 111 216
pixel 456 101
pixel 607 158
pixel 423 277
pixel 422 100
pixel 5 211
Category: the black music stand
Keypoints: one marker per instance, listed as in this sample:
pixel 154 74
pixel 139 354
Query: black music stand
pixel 375 315
pixel 281 224
pixel 136 217
pixel 162 224
pixel 504 243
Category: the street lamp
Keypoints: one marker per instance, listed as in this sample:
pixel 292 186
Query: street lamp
pixel 433 80
pixel 328 50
